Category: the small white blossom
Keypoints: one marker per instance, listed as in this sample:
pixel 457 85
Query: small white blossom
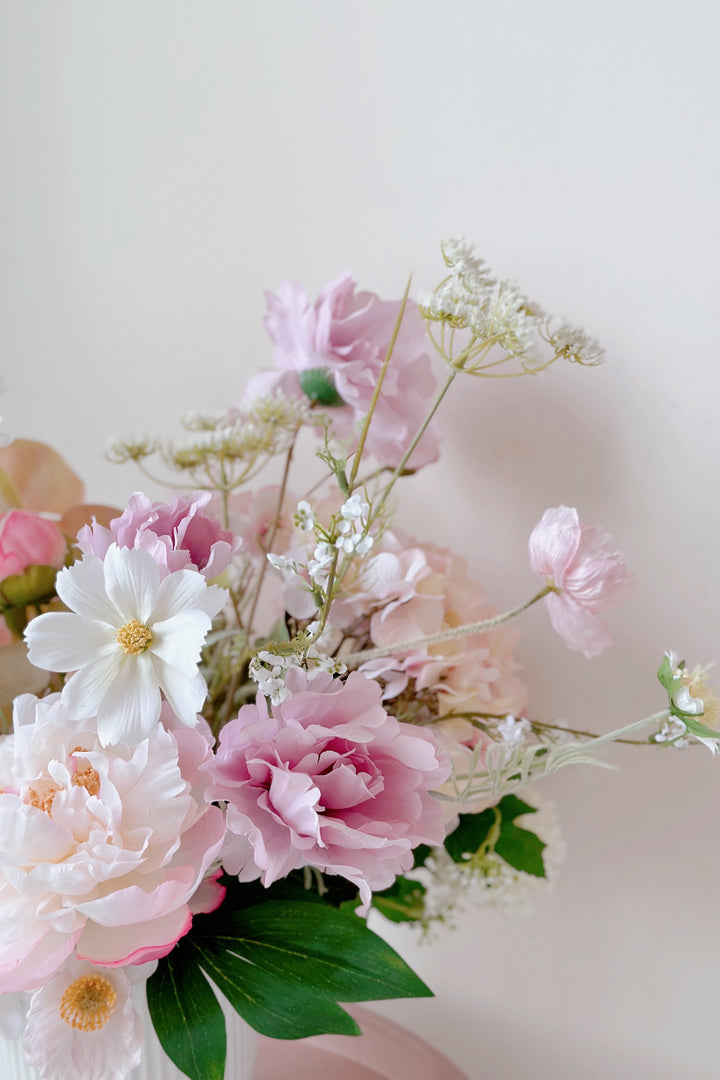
pixel 673 731
pixel 354 508
pixel 304 518
pixel 513 731
pixel 282 562
pixel 686 703
pixel 575 345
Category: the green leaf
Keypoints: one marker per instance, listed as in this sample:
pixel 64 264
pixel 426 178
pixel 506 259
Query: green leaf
pixel 421 855
pixel 318 384
pixel 520 848
pixel 35 584
pixel 670 681
pixel 470 835
pixel 187 1017
pixel 402 902
pixel 701 730
pixel 284 965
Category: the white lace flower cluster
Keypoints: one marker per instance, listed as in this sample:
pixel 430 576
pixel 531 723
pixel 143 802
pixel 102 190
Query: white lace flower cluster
pixel 497 314
pixel 269 670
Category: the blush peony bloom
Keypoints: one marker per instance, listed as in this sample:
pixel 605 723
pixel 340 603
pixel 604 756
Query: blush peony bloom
pixel 421 590
pixel 326 779
pixel 26 539
pixel 103 849
pixel 83 1024
pixel 347 334
pixel 179 537
pixel 131 632
pixel 587 571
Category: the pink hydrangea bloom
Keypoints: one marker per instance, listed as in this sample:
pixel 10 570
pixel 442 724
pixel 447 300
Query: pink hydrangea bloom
pixel 179 537
pixel 326 779
pixel 26 539
pixel 103 847
pixel 581 561
pixel 348 334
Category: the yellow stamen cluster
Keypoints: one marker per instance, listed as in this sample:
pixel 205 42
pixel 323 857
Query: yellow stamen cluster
pixel 88 1003
pixel 134 637
pixel 42 801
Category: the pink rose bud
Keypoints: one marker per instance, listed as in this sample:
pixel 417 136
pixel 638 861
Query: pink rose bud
pixel 26 539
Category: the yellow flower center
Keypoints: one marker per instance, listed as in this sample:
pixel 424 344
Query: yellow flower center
pixel 41 800
pixel 88 1003
pixel 85 776
pixel 134 637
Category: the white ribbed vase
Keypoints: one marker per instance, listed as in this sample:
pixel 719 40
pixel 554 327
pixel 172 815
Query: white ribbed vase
pixel 155 1064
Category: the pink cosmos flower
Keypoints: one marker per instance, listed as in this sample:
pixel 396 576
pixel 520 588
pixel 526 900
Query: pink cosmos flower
pixel 588 572
pixel 179 537
pixel 103 848
pixel 26 539
pixel 326 779
pixel 348 335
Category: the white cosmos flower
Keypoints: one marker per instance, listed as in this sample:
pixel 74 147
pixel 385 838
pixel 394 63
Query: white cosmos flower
pixel 83 1025
pixel 128 635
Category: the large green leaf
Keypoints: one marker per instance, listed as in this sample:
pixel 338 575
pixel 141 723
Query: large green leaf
pixel 187 1017
pixel 402 902
pixel 283 965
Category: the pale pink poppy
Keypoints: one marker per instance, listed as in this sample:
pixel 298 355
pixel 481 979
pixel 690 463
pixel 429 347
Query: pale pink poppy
pixel 348 334
pixel 588 574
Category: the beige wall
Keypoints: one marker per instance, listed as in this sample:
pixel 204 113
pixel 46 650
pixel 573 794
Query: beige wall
pixel 164 162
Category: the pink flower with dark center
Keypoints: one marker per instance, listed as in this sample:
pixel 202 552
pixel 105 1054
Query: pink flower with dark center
pixel 179 537
pixel 588 573
pixel 326 779
pixel 347 334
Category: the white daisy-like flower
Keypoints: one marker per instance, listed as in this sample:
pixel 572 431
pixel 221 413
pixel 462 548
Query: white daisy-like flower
pixel 83 1024
pixel 128 635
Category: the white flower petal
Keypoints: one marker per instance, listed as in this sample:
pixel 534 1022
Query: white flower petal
pixel 81 587
pixel 178 640
pixel 83 693
pixel 186 590
pixel 62 641
pixel 130 707
pixel 132 581
pixel 186 695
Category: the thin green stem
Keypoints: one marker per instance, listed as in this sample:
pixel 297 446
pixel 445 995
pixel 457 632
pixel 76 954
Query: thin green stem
pixel 353 659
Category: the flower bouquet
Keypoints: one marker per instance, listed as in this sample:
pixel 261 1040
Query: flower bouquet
pixel 239 720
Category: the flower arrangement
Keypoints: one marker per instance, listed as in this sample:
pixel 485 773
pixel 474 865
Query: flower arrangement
pixel 239 720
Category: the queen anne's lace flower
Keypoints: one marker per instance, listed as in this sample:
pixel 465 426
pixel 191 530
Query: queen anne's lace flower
pixel 130 633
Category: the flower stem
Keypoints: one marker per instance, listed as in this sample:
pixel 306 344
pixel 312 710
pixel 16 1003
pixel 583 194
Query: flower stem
pixel 353 659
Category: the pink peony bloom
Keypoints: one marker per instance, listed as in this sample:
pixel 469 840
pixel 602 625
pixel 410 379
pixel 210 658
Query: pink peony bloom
pixel 103 848
pixel 26 539
pixel 326 779
pixel 179 537
pixel 348 335
pixel 588 572
pixel 423 590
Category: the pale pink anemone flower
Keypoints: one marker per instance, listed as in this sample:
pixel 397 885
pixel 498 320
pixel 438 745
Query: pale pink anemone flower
pixel 326 779
pixel 183 536
pixel 83 1024
pixel 131 632
pixel 348 335
pixel 588 573
pixel 103 848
